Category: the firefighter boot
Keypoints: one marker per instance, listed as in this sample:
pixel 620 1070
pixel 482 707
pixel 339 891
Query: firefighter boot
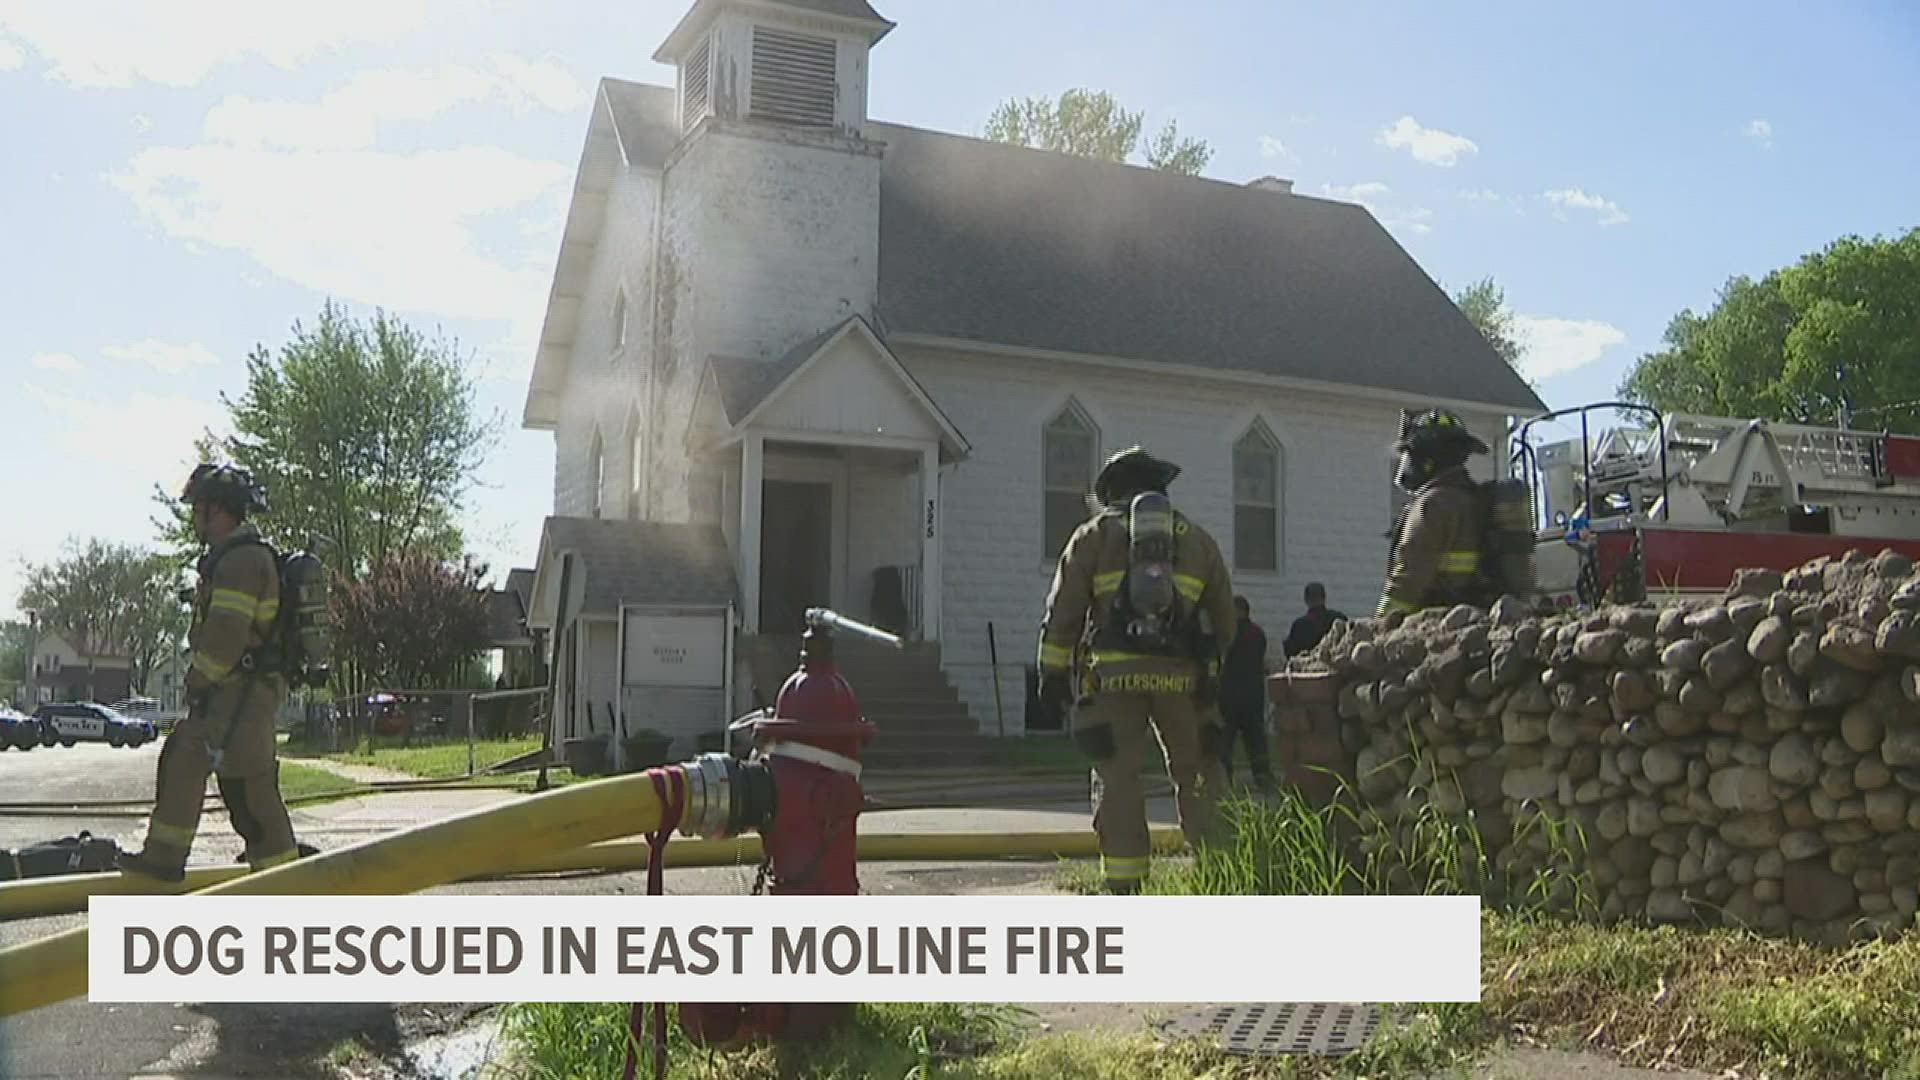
pixel 180 785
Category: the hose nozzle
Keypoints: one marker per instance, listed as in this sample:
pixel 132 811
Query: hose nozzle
pixel 827 619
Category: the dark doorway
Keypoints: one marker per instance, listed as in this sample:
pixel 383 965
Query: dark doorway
pixel 796 552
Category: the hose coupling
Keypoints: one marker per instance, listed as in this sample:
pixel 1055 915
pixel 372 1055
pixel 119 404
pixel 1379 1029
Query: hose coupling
pixel 726 796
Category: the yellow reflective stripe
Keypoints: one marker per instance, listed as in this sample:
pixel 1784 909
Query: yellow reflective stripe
pixel 212 669
pixel 1055 656
pixel 1124 867
pixel 1107 656
pixel 1459 562
pixel 240 603
pixel 172 835
pixel 1388 604
pixel 1189 586
pixel 1107 582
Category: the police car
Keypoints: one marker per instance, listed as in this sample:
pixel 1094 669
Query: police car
pixel 18 729
pixel 84 721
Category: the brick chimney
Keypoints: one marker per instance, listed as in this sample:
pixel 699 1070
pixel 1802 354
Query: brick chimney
pixel 1273 183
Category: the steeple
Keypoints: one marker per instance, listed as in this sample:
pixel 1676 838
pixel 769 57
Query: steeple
pixel 799 64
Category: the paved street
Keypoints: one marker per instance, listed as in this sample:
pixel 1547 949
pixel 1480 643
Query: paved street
pixel 80 1039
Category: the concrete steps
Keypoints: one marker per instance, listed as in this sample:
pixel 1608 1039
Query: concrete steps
pixel 923 723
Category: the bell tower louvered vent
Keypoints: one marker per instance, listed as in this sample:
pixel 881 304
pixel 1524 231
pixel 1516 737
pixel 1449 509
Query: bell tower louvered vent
pixel 696 75
pixel 794 78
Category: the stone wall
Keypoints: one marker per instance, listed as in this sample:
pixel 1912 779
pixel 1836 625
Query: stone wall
pixel 1748 760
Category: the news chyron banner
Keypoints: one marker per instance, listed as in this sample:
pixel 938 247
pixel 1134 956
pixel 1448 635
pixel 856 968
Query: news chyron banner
pixel 247 949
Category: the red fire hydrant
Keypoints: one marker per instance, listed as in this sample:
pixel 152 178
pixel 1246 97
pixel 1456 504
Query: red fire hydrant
pixel 811 745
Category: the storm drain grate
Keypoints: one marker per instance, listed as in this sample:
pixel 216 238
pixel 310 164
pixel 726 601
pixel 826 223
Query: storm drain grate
pixel 1268 1030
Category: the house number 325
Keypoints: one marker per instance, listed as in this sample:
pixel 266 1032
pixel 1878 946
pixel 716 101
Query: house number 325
pixel 929 519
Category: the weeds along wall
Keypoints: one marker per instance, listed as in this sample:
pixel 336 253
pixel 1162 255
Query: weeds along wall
pixel 1749 760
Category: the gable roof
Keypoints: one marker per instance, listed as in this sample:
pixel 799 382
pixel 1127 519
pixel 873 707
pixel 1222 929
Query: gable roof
pixel 506 619
pixel 744 386
pixel 1004 245
pixel 635 562
pixel 1001 244
pixel 643 119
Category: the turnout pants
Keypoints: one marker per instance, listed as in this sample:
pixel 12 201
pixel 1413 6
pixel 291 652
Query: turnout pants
pixel 1188 734
pixel 249 782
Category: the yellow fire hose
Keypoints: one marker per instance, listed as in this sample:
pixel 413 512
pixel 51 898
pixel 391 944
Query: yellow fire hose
pixel 554 830
pixel 66 893
pixel 54 968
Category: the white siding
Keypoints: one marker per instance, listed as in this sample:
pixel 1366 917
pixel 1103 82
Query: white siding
pixel 849 390
pixel 604 388
pixel 765 243
pixel 1336 503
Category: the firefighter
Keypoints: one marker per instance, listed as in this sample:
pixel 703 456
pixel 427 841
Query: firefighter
pixel 233 690
pixel 1143 669
pixel 1436 544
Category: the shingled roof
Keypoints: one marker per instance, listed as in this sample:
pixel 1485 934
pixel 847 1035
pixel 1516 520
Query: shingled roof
pixel 643 562
pixel 1000 244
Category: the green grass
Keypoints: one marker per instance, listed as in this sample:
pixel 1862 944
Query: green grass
pixel 1717 1000
pixel 300 781
pixel 438 760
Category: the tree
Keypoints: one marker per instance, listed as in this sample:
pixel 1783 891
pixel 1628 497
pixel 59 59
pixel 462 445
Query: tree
pixel 110 600
pixel 1836 332
pixel 1092 124
pixel 1485 305
pixel 413 621
pixel 365 434
pixel 14 635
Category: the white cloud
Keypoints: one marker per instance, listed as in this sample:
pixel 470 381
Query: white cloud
pixel 147 438
pixel 1374 195
pixel 164 357
pixel 180 42
pixel 1576 199
pixel 1367 194
pixel 350 116
pixel 1558 346
pixel 395 230
pixel 544 82
pixel 1428 145
pixel 56 362
pixel 11 58
pixel 1760 131
pixel 1271 147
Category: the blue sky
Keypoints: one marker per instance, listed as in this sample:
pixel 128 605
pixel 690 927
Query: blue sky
pixel 185 181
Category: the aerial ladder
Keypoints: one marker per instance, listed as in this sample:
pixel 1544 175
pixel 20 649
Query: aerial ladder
pixel 1677 505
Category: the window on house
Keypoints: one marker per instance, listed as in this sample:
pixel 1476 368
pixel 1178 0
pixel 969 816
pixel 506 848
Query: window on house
pixel 1068 452
pixel 637 462
pixel 619 319
pixel 1256 501
pixel 694 82
pixel 597 475
pixel 794 78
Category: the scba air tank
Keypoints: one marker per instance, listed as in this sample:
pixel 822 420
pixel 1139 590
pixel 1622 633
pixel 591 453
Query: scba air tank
pixel 1150 585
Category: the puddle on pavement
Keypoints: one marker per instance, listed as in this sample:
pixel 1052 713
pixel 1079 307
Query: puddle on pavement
pixel 466 1054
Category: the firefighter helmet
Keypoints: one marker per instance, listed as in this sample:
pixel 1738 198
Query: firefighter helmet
pixel 1438 430
pixel 226 486
pixel 1130 472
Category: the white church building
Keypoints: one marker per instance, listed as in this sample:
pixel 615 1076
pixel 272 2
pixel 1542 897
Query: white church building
pixel 794 356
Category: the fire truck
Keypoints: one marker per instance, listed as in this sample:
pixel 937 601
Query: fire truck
pixel 1667 506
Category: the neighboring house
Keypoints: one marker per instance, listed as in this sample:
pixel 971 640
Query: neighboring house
pixel 795 356
pixel 167 682
pixel 508 633
pixel 62 673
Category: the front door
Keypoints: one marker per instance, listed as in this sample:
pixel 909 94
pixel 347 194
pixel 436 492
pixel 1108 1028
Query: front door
pixel 796 552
